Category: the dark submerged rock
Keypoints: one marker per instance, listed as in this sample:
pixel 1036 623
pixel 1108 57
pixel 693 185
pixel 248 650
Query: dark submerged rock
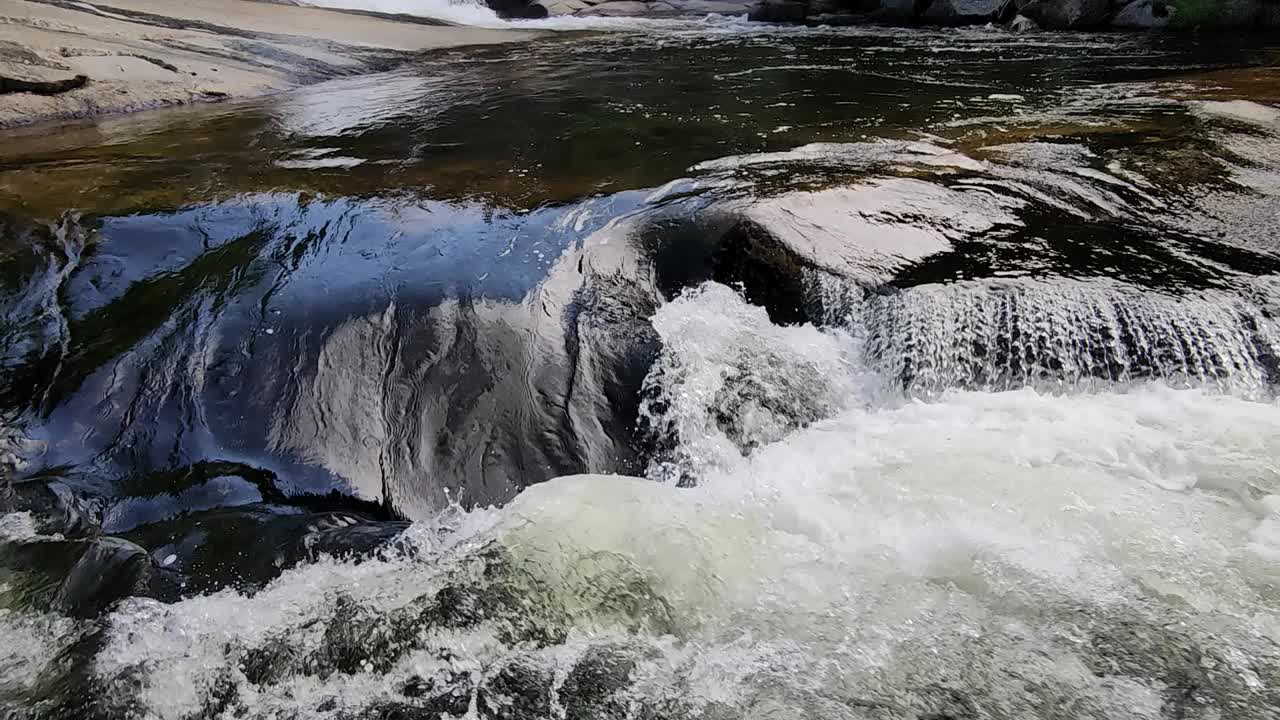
pixel 83 578
pixel 247 547
pixel 109 570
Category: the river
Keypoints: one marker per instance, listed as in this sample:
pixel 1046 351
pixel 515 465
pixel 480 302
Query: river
pixel 662 370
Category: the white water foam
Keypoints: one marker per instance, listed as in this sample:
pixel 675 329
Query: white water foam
pixel 987 548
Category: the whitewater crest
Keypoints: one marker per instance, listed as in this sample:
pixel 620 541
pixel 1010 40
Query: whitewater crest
pixel 839 551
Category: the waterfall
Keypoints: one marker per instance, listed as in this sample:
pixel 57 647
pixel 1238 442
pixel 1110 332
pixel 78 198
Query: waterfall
pixel 1000 335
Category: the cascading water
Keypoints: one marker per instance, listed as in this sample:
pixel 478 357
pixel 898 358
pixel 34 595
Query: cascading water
pixel 1002 335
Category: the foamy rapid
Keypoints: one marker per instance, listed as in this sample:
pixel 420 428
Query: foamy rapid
pixel 844 553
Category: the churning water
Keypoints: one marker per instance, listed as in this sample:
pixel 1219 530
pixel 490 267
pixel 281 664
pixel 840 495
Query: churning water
pixel 1011 554
pixel 678 375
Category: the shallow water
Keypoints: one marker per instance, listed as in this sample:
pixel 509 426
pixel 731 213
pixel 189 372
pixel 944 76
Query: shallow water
pixel 692 369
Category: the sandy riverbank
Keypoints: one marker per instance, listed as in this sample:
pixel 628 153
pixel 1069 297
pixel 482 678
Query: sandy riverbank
pixel 64 59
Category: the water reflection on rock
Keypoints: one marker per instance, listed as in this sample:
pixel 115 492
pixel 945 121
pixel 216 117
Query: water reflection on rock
pixel 311 337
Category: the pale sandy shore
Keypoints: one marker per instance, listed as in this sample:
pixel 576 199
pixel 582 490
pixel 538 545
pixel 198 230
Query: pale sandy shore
pixel 62 59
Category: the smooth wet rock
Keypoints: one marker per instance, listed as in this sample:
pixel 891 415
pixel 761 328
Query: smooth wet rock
pixel 856 231
pixel 82 578
pixel 966 12
pixel 1144 15
pixel 1068 14
pixel 405 400
pixel 109 570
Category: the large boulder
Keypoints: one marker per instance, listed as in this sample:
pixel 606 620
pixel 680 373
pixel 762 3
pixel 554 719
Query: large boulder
pixel 1068 14
pixel 967 12
pixel 1143 15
